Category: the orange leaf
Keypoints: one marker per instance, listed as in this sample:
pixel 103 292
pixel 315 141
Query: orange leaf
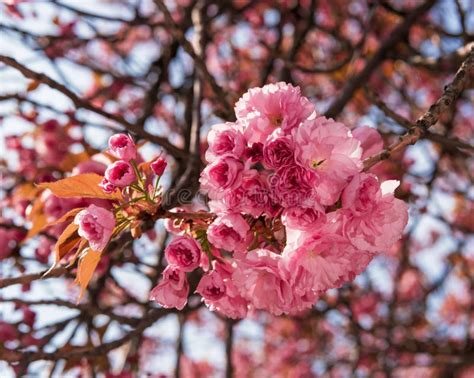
pixel 85 186
pixel 87 265
pixel 66 242
pixel 26 191
pixel 65 217
pixel 37 218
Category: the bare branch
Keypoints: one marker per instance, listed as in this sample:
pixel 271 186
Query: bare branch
pixel 80 103
pixel 446 101
pixel 361 78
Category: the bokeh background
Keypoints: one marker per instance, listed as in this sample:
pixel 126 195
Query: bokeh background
pixel 128 66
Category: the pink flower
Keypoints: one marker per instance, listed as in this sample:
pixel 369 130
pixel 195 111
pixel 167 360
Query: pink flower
pixel 96 224
pixel 370 140
pixel 231 304
pixel 122 147
pixel 262 110
pixel 278 152
pixel 230 232
pixel 304 218
pixel 173 290
pixel 107 186
pixel 254 153
pixel 158 166
pixel 211 287
pixel 373 219
pixel 225 139
pixel 294 185
pixel 251 197
pixel 120 174
pixel 260 279
pixel 222 174
pixel 323 261
pixel 328 149
pixel 184 252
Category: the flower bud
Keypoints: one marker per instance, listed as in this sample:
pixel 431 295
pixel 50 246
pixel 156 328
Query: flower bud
pixel 122 147
pixel 158 166
pixel 120 174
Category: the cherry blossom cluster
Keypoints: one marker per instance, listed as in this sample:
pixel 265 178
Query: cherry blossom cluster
pixel 98 224
pixel 100 220
pixel 294 214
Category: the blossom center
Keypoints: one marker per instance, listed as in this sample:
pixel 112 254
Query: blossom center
pixel 315 163
pixel 276 120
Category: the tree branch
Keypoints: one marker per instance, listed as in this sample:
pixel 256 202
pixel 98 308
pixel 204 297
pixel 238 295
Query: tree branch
pixel 451 92
pixel 80 103
pixel 362 77
pixel 174 29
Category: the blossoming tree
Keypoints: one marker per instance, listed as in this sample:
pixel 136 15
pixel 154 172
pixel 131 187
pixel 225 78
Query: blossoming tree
pixel 248 189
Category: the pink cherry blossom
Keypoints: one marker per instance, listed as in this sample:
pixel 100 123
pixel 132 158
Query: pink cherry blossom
pixel 328 149
pixel 252 196
pixel 96 225
pixel 274 106
pixel 304 218
pixel 225 139
pixel 278 151
pixel 173 290
pixel 261 280
pixel 122 147
pixel 373 219
pixel 120 174
pixel 294 185
pixel 222 174
pixel 211 287
pixel 229 232
pixel 323 261
pixel 184 252
pixel 254 153
pixel 231 304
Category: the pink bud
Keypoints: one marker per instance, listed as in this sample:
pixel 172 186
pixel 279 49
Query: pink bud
pixel 122 147
pixel 158 166
pixel 120 174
